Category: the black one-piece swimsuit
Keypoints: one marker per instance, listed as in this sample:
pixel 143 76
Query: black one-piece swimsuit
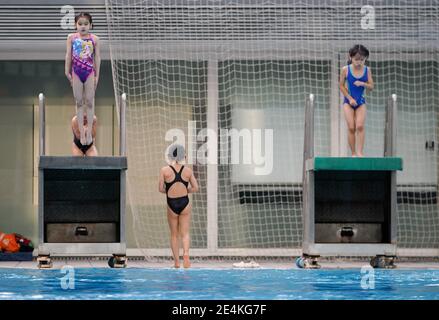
pixel 177 205
pixel 83 148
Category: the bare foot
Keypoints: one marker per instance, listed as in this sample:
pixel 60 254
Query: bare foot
pixel 186 261
pixel 177 265
pixel 354 155
pixel 360 155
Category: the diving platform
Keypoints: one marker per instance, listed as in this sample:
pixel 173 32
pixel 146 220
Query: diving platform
pixel 349 203
pixel 354 164
pixel 81 203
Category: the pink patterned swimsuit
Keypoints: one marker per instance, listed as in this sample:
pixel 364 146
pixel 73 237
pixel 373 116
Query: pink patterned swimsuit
pixel 83 56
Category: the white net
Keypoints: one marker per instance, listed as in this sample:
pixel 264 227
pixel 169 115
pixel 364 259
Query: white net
pixel 248 65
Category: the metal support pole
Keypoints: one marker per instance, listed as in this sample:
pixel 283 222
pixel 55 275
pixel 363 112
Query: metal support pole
pixel 308 176
pixel 390 151
pixel 390 128
pixel 308 145
pixel 42 112
pixel 309 128
pixel 42 152
pixel 122 144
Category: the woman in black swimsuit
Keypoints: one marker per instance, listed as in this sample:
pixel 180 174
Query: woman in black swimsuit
pixel 177 181
pixel 79 149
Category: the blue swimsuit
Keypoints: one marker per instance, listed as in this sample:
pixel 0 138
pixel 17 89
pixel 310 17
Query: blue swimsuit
pixel 356 92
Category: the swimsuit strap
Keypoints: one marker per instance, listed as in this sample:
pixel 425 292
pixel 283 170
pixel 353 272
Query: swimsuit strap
pixel 350 71
pixel 76 35
pixel 169 184
pixel 177 178
pixel 181 179
pixel 175 171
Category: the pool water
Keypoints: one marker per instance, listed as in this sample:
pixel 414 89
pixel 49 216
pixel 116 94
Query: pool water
pixel 206 284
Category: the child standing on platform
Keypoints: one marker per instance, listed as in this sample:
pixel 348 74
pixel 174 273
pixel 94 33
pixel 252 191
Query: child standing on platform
pixel 354 79
pixel 82 68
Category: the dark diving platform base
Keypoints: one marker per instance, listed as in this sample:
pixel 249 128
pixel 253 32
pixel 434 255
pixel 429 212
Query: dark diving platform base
pixel 82 207
pixel 350 207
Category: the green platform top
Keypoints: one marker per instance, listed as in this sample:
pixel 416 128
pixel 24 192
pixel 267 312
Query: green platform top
pixel 357 164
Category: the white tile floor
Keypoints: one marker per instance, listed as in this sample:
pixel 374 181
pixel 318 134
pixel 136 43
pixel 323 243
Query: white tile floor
pixel 203 264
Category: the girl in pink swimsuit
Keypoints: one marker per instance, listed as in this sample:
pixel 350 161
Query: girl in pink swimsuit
pixel 82 70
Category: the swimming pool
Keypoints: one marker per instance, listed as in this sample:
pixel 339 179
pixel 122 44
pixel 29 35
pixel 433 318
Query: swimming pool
pixel 207 284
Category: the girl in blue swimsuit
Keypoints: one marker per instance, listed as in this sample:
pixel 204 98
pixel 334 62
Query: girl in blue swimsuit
pixel 177 181
pixel 354 79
